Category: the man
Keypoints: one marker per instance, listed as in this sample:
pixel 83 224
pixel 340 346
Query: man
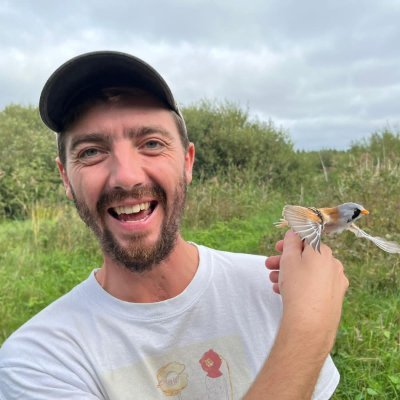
pixel 163 317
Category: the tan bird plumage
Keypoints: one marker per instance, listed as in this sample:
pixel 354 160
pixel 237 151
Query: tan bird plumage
pixel 310 222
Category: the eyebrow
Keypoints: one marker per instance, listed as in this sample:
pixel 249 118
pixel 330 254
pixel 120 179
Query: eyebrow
pixel 107 138
pixel 91 138
pixel 145 131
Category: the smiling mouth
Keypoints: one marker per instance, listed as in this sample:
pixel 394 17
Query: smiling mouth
pixel 136 212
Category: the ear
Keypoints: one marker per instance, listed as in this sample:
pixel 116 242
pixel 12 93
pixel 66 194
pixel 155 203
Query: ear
pixel 189 161
pixel 64 177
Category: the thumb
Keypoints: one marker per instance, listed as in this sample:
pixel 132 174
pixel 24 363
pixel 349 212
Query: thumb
pixel 292 244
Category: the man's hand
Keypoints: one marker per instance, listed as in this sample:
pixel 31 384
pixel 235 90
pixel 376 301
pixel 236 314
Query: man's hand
pixel 312 286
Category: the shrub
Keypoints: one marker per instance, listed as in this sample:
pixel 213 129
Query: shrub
pixel 27 168
pixel 226 138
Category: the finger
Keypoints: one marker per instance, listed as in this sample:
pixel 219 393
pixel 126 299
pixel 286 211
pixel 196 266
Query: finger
pixel 292 244
pixel 274 276
pixel 275 288
pixel 279 246
pixel 326 250
pixel 346 283
pixel 344 279
pixel 272 262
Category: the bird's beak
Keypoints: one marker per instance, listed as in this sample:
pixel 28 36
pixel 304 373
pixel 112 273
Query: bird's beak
pixel 364 212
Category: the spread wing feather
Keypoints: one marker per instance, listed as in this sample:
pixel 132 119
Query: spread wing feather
pixel 390 247
pixel 306 223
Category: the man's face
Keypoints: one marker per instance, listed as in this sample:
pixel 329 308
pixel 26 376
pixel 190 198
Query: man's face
pixel 127 173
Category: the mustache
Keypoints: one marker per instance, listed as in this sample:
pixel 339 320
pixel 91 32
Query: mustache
pixel 119 194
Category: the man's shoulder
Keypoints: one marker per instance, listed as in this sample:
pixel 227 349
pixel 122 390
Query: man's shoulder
pixel 234 259
pixel 52 322
pixel 244 281
pixel 49 349
pixel 235 268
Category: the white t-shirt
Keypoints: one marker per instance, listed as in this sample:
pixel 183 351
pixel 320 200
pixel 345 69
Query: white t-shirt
pixel 209 342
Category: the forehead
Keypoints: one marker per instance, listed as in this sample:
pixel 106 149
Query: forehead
pixel 123 113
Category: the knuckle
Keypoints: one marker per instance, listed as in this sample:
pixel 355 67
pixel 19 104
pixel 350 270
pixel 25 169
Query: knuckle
pixel 326 249
pixel 339 265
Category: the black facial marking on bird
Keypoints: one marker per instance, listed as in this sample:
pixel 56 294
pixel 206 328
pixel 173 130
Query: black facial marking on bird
pixel 357 212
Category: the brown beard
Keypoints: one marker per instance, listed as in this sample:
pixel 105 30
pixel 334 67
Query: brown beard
pixel 136 256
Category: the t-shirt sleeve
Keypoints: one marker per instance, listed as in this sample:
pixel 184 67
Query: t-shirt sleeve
pixel 42 365
pixel 17 382
pixel 327 382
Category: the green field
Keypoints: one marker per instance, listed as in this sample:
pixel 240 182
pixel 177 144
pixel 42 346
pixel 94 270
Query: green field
pixel 43 257
pixel 245 175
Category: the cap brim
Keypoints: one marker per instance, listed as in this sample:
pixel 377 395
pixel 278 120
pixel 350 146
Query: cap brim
pixel 94 71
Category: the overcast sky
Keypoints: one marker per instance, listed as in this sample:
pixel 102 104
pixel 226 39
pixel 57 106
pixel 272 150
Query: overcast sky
pixel 327 72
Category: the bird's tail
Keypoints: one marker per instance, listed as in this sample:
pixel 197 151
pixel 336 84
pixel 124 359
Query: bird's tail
pixel 282 223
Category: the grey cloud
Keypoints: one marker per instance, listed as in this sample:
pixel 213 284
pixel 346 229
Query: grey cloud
pixel 319 69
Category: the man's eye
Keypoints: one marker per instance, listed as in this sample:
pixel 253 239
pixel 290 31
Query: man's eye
pixel 89 153
pixel 153 144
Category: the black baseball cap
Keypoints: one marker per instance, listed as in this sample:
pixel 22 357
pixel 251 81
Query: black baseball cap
pixel 77 78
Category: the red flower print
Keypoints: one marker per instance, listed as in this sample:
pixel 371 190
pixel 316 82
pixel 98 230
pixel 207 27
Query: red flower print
pixel 211 363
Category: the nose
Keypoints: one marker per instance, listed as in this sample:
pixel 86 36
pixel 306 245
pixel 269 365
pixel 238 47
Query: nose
pixel 126 170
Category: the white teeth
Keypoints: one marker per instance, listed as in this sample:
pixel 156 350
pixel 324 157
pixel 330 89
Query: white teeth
pixel 132 209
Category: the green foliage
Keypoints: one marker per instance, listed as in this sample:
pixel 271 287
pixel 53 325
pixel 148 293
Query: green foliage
pixel 246 172
pixel 380 146
pixel 27 168
pixel 226 138
pixel 45 256
pixel 221 198
pixel 40 260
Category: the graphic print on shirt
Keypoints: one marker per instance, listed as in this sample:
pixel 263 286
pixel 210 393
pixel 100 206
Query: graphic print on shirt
pixel 218 385
pixel 208 370
pixel 172 379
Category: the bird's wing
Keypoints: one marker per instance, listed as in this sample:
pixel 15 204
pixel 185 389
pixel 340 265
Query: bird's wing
pixel 306 222
pixel 390 247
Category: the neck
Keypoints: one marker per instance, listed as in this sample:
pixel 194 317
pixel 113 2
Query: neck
pixel 162 282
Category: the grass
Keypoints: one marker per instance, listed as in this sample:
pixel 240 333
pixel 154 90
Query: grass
pixel 35 272
pixel 44 256
pixel 367 351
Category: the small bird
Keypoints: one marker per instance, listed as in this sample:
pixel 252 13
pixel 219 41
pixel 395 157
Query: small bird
pixel 310 222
